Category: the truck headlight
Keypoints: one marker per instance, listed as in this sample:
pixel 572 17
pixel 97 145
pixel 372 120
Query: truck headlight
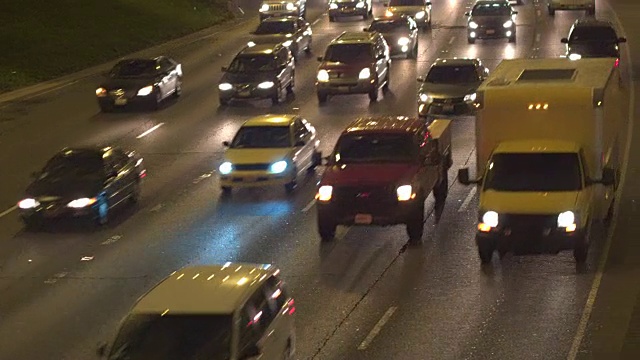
pixel 403 41
pixel 264 8
pixel 508 24
pixel 265 85
pixel 364 74
pixel 360 5
pixel 145 90
pixel 333 6
pixel 278 167
pixel 225 87
pixel 324 193
pixel 470 97
pixel 473 25
pixel 567 220
pixel 323 75
pixel 420 15
pixel 489 221
pixel 405 193
pixel 82 202
pixel 225 168
pixel 28 203
pixel 290 6
pixel 424 98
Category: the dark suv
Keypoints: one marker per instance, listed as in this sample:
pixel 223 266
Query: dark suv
pixel 265 71
pixel 592 38
pixel 491 19
pixel 354 63
pixel 380 173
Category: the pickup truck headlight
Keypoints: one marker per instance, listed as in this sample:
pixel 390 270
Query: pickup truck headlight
pixel 420 15
pixel 323 75
pixel 278 167
pixel 508 24
pixel 28 204
pixel 264 8
pixel 470 97
pixel 290 6
pixel 333 6
pixel 489 221
pixel 405 193
pixel 225 87
pixel 360 5
pixel 225 168
pixel 473 25
pixel 265 85
pixel 324 193
pixel 145 90
pixel 364 74
pixel 567 220
pixel 82 202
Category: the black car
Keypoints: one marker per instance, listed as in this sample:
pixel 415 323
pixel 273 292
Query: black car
pixel 491 19
pixel 292 32
pixel 342 8
pixel 400 33
pixel 592 38
pixel 82 182
pixel 143 81
pixel 264 71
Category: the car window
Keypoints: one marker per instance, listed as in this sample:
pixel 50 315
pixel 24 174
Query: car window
pixel 251 137
pixel 375 147
pixel 253 63
pixel 275 292
pixel 349 53
pixel 276 27
pixel 491 9
pixel 120 158
pixel 452 74
pixel 76 163
pixel 601 33
pixel 134 68
pixel 300 130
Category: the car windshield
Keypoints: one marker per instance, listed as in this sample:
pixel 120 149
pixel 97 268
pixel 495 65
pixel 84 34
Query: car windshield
pixel 275 27
pixel 134 68
pixel 600 34
pixel 406 3
pixel 386 26
pixel 74 163
pixel 346 53
pixel 534 172
pixel 452 74
pixel 170 337
pixel 491 9
pixel 253 63
pixel 358 148
pixel 249 137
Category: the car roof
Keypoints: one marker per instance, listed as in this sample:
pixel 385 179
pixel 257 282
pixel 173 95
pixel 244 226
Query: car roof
pixel 385 124
pixel 353 37
pixel 271 120
pixel 260 49
pixel 455 62
pixel 592 23
pixel 537 146
pixel 206 289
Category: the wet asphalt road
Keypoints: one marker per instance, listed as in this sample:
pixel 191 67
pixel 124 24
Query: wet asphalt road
pixel 437 301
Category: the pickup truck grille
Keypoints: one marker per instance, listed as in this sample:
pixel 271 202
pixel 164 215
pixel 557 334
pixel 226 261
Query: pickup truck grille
pixel 277 7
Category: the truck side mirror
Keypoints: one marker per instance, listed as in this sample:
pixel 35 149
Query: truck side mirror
pixel 564 40
pixel 608 177
pixel 224 69
pixel 467 14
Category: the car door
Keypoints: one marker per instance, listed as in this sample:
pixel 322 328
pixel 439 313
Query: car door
pixel 168 76
pixel 282 306
pixel 113 184
pixel 428 173
pixel 257 328
pixel 382 62
pixel 285 63
pixel 303 154
pixel 305 34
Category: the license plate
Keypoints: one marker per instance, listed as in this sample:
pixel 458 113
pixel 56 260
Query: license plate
pixel 448 107
pixel 120 101
pixel 244 93
pixel 491 31
pixel 363 219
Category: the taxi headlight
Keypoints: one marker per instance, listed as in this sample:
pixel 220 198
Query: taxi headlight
pixel 323 75
pixel 470 97
pixel 225 168
pixel 420 15
pixel 225 87
pixel 575 57
pixel 333 6
pixel 404 193
pixel 290 6
pixel 403 41
pixel 28 204
pixel 473 25
pixel 490 218
pixel 265 85
pixel 287 43
pixel 251 44
pixel 101 92
pixel 264 7
pixel 364 74
pixel 324 193
pixel 278 167
pixel 424 98
pixel 82 202
pixel 145 90
pixel 566 219
pixel 508 24
pixel 360 5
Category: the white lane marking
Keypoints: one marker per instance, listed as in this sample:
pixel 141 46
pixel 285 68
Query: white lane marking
pixel 451 40
pixel 315 21
pixel 111 240
pixel 156 208
pixel 86 258
pixel 202 177
pixel 597 279
pixel 537 37
pixel 376 329
pixel 149 131
pixel 56 277
pixel 468 199
pixel 309 206
pixel 8 210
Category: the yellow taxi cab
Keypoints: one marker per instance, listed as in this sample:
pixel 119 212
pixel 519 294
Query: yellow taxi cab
pixel 228 311
pixel 270 150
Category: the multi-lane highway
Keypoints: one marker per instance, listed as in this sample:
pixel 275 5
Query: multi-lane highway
pixel 365 296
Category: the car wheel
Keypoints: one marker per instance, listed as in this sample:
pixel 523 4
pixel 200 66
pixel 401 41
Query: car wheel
pixel 308 48
pixel 317 159
pixel 414 52
pixel 102 212
pixel 157 100
pixel 485 252
pixel 326 228
pixel 32 223
pixel 224 102
pixel 290 187
pixel 471 40
pixel 441 190
pixel 373 93
pixel 512 39
pixel 178 90
pixel 552 12
pixel 580 253
pixel 332 18
pixel 291 86
pixel 322 98
pixel 385 87
pixel 415 224
pixel 275 99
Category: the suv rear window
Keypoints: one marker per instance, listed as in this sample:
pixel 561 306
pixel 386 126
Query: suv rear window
pixel 595 33
pixel 346 53
pixel 372 147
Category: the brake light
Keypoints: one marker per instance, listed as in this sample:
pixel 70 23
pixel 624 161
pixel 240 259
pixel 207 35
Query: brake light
pixel 143 174
pixel 617 62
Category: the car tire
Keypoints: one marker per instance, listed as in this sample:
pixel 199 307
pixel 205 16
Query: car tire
pixel 415 224
pixel 414 52
pixel 471 40
pixel 157 100
pixel 373 93
pixel 224 102
pixel 292 84
pixel 178 90
pixel 365 16
pixel 226 190
pixel 441 190
pixel 512 39
pixel 552 12
pixel 385 87
pixel 580 253
pixel 322 98
pixel 326 228
pixel 275 99
pixel 485 252
pixel 332 18
pixel 317 159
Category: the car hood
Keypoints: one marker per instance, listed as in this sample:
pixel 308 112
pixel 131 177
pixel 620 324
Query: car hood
pixel 368 174
pixel 594 49
pixel 270 38
pixel 533 203
pixel 248 77
pixel 448 90
pixel 257 156
pixel 494 21
pixel 128 83
pixel 65 187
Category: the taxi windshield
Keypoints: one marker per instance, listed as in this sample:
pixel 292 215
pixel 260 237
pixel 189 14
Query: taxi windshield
pixel 534 172
pixel 599 34
pixel 251 137
pixel 371 147
pixel 134 68
pixel 254 63
pixel 77 163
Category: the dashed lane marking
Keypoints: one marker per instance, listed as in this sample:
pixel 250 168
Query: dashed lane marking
pixel 376 329
pixel 451 40
pixel 6 212
pixel 56 277
pixel 468 199
pixel 111 240
pixel 309 206
pixel 537 37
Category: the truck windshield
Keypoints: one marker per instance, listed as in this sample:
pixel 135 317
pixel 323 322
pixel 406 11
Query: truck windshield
pixel 534 172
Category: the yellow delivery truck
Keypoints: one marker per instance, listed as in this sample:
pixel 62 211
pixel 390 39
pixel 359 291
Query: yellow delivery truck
pixel 549 151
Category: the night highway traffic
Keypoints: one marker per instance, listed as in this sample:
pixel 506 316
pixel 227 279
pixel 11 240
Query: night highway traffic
pixel 407 291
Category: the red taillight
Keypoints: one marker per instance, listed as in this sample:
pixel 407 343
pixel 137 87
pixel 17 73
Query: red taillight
pixel 143 174
pixel 292 308
pixel 617 62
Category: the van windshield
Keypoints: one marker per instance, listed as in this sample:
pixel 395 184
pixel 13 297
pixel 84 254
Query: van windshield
pixel 534 172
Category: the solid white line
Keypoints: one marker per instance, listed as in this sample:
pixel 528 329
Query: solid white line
pixel 8 210
pixel 309 206
pixel 315 21
pixel 468 199
pixel 451 40
pixel 597 279
pixel 537 37
pixel 341 232
pixel 376 329
pixel 149 131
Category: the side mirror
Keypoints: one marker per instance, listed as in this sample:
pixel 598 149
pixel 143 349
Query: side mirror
pixel 564 40
pixel 226 143
pixel 421 79
pixel 251 352
pixel 101 351
pixel 463 176
pixel 224 69
pixel 608 177
pixel 300 143
pixel 319 58
pixel 467 14
pixel 622 40
pixel 428 3
pixel 325 160
pixel 365 29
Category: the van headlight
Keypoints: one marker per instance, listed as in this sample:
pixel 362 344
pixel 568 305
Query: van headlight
pixel 323 75
pixel 508 24
pixel 82 202
pixel 333 6
pixel 278 167
pixel 360 5
pixel 403 41
pixel 364 74
pixel 405 193
pixel 290 6
pixel 225 87
pixel 28 204
pixel 145 90
pixel 473 25
pixel 420 15
pixel 265 85
pixel 324 193
pixel 470 97
pixel 567 219
pixel 264 8
pixel 225 168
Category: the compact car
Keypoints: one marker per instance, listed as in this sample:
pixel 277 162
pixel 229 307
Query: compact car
pixel 294 33
pixel 489 19
pixel 400 33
